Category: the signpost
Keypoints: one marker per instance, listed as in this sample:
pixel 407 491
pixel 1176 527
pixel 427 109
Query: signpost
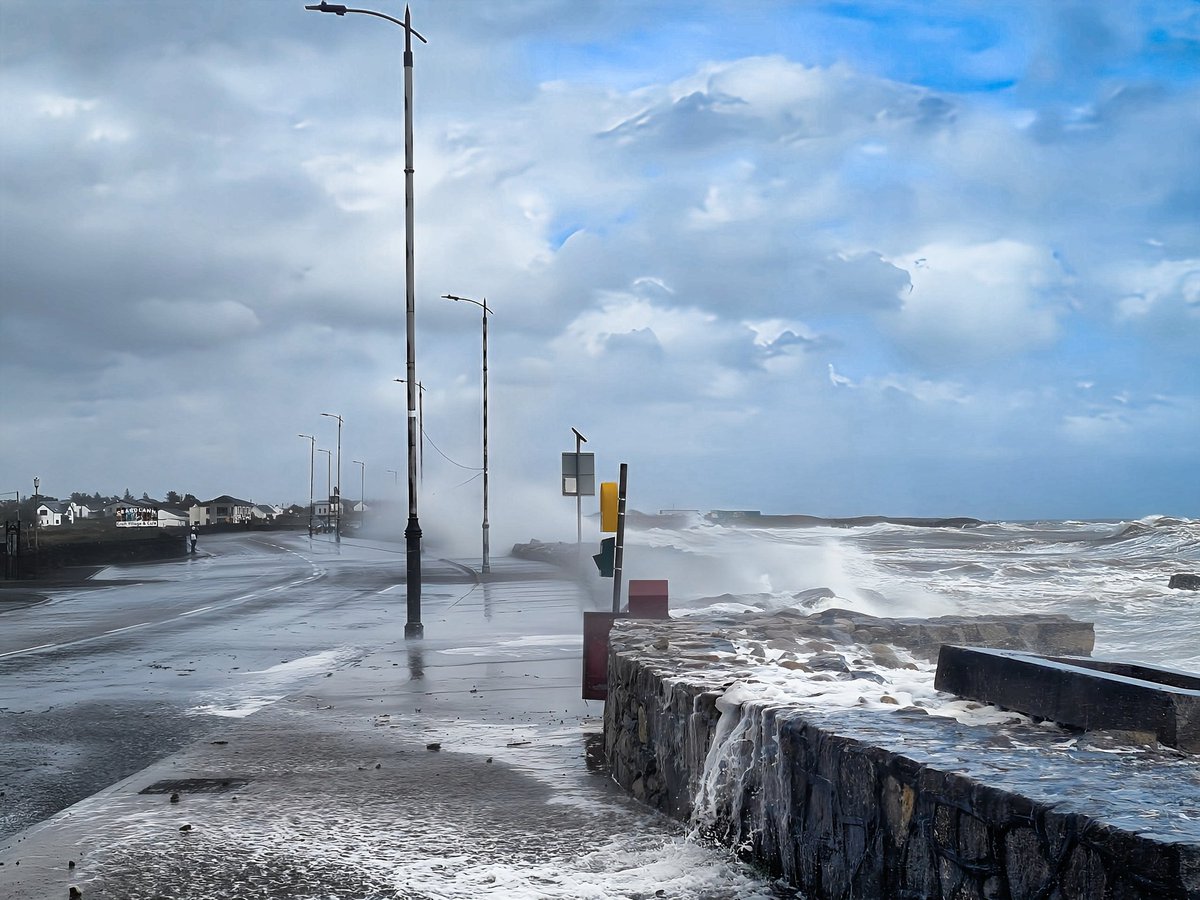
pixel 578 480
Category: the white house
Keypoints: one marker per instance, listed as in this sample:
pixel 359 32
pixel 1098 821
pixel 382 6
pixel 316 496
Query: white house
pixel 221 510
pixel 172 518
pixel 52 513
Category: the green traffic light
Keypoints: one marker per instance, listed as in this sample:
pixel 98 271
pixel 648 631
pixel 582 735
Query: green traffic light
pixel 606 559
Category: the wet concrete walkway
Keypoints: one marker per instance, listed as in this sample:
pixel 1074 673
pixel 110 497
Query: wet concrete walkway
pixel 454 767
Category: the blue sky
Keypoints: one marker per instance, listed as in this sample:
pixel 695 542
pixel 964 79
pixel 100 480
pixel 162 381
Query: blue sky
pixel 832 258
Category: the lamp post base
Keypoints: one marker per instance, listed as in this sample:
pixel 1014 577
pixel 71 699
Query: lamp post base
pixel 412 537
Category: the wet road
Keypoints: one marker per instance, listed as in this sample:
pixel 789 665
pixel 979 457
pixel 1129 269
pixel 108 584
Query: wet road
pixel 100 681
pixel 341 795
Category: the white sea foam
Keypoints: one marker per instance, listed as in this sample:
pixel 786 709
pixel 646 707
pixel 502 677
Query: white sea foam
pixel 516 646
pixel 257 689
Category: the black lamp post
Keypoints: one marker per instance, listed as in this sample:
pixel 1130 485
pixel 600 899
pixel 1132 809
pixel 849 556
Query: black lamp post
pixel 412 534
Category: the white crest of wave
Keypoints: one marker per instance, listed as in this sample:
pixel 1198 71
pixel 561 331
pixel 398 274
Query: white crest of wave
pixel 737 569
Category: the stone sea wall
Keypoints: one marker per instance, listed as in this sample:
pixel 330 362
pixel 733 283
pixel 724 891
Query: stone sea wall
pixel 858 803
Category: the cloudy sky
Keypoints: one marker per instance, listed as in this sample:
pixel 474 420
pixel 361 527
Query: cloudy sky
pixel 826 257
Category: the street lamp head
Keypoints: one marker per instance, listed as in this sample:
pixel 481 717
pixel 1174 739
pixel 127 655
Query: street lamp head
pixel 482 305
pixel 340 10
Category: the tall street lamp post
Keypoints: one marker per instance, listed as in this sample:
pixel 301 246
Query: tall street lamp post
pixel 412 534
pixel 337 491
pixel 484 307
pixel 312 452
pixel 362 489
pixel 328 480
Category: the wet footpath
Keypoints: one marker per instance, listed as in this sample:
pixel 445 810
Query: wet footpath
pixel 463 765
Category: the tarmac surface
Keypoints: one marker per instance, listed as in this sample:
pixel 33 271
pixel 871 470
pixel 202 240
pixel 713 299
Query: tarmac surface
pixel 461 765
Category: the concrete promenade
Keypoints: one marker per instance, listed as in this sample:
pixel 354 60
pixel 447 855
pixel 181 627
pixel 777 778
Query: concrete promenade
pixel 463 765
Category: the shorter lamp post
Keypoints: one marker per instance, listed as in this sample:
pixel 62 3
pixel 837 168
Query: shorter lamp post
pixel 484 307
pixel 328 481
pixel 338 490
pixel 312 452
pixel 420 426
pixel 362 489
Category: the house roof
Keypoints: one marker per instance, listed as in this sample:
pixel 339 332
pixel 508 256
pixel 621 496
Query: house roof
pixel 53 506
pixel 226 500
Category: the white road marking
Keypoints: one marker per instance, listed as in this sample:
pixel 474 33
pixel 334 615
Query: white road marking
pixel 127 628
pixel 317 573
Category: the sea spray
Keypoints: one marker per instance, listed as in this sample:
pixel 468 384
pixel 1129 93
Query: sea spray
pixel 1112 573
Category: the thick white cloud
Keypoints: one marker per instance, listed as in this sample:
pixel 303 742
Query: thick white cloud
pixel 804 258
pixel 979 304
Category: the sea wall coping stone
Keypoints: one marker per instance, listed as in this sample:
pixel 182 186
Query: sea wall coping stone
pixel 1161 704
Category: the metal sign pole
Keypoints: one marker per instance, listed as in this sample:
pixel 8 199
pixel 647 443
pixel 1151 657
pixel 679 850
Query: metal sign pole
pixel 619 556
pixel 578 497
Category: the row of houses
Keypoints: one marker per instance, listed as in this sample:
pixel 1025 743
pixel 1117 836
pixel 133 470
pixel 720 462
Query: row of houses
pixel 150 514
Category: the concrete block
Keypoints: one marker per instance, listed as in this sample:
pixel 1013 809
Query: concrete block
pixel 1079 692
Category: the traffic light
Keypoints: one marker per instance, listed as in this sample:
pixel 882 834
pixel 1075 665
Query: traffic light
pixel 606 559
pixel 608 506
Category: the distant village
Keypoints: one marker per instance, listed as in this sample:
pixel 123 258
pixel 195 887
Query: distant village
pixel 173 512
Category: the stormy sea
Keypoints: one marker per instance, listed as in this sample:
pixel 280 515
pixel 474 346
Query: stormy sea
pixel 1114 574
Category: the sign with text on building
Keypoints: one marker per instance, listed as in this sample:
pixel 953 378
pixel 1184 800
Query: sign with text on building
pixel 579 474
pixel 136 517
